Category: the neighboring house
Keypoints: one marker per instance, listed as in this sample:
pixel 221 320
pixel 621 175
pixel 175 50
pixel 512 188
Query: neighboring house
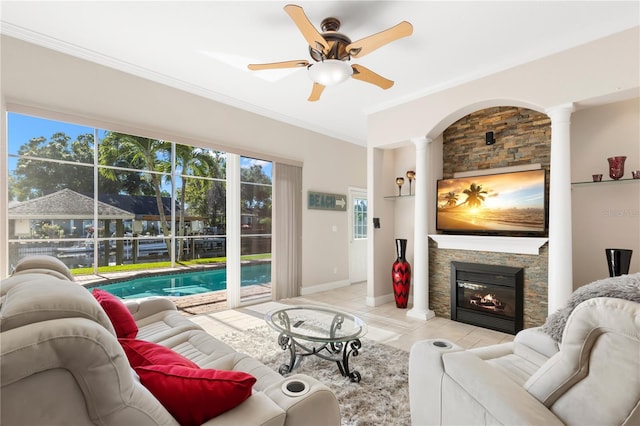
pixel 71 212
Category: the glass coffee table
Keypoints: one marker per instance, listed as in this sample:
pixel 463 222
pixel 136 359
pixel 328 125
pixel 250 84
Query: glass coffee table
pixel 314 330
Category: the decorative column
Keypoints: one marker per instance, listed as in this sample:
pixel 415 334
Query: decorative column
pixel 560 274
pixel 233 242
pixel 420 308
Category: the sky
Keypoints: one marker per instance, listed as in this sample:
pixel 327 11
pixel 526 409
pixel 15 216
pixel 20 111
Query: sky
pixel 22 128
pixel 506 190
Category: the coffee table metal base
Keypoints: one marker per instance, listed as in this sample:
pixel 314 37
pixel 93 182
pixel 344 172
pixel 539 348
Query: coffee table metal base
pixel 339 352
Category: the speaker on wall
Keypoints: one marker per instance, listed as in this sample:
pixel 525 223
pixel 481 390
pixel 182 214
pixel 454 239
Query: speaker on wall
pixel 488 138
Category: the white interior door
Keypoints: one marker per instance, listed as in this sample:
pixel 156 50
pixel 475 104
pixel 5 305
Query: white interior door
pixel 357 235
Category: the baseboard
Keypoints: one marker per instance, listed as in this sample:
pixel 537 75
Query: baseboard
pixel 380 300
pixel 305 291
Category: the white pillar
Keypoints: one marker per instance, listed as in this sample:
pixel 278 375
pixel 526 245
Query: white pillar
pixel 420 268
pixel 560 278
pixel 233 230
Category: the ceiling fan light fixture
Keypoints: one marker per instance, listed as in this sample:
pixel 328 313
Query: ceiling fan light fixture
pixel 330 72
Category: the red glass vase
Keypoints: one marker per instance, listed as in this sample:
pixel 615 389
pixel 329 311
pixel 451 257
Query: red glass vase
pixel 401 275
pixel 616 167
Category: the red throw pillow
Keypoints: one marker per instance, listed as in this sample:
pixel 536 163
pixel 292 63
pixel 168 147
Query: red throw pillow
pixel 142 353
pixel 120 317
pixel 193 396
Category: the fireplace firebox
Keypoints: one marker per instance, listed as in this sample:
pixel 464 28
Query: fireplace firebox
pixel 489 296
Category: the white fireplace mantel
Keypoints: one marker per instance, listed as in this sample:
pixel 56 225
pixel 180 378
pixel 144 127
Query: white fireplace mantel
pixel 517 245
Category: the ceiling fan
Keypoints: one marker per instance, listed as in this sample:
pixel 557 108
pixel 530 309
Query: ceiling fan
pixel 331 50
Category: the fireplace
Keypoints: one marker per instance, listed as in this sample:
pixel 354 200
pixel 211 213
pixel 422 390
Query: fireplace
pixel 489 296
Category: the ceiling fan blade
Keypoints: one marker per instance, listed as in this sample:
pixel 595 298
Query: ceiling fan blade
pixel 310 33
pixel 366 45
pixel 364 74
pixel 273 65
pixel 316 92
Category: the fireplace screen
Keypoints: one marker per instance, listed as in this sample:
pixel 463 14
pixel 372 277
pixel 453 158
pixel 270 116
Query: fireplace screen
pixel 493 299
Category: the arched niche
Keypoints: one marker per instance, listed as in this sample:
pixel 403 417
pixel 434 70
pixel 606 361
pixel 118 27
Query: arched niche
pixel 453 116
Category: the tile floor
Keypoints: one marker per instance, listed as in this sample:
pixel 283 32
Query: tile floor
pixel 386 323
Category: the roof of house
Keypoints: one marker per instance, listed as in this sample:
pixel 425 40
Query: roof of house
pixel 65 204
pixel 143 206
pixel 68 204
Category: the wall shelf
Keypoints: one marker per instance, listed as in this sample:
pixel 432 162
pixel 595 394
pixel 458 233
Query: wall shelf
pixel 604 182
pixel 517 245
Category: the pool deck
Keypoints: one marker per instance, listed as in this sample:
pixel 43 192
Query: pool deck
pixel 188 305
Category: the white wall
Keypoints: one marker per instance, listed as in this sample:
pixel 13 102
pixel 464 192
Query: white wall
pixel 605 67
pixel 381 249
pixel 398 212
pixel 604 214
pixel 40 78
pixel 405 159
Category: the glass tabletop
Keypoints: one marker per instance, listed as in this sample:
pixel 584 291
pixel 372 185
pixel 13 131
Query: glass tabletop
pixel 316 324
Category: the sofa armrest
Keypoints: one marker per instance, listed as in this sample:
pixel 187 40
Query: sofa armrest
pixel 315 406
pixel 537 340
pixel 499 397
pixel 258 410
pixel 142 308
pixel 426 371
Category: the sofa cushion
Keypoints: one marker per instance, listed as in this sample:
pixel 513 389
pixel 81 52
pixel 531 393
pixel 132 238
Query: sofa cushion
pixel 44 264
pixel 32 297
pixel 120 317
pixel 194 396
pixel 141 353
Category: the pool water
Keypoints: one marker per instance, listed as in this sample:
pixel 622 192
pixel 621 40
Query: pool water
pixel 187 283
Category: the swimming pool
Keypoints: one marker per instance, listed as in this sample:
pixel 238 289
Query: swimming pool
pixel 187 283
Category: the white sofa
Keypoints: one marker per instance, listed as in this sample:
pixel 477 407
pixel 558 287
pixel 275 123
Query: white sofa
pixel 60 362
pixel 591 378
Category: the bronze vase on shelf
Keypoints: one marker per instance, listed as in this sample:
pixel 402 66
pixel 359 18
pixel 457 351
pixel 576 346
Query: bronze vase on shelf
pixel 616 166
pixel 411 175
pixel 401 275
pixel 399 182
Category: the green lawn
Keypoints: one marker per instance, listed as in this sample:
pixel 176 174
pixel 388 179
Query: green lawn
pixel 167 264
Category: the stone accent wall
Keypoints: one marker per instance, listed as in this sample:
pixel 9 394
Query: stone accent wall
pixel 522 136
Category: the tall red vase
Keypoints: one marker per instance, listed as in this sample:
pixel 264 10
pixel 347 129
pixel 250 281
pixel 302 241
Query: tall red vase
pixel 401 275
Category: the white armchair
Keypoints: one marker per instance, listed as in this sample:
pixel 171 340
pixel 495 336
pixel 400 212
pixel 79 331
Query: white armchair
pixel 591 378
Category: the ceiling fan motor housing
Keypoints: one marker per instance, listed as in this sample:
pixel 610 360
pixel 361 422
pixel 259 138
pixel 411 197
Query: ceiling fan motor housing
pixel 337 42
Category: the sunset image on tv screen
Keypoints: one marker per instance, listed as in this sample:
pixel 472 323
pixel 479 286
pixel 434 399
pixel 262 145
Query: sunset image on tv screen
pixel 513 202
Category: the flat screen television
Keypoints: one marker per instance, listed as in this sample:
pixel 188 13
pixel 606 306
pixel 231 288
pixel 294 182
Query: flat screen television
pixel 512 203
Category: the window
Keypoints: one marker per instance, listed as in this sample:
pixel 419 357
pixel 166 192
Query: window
pixel 95 197
pixel 255 223
pixel 359 218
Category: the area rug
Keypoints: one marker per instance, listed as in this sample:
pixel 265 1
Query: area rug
pixel 380 398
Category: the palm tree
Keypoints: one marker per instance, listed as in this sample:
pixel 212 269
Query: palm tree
pixel 452 199
pixel 150 155
pixel 193 162
pixel 474 195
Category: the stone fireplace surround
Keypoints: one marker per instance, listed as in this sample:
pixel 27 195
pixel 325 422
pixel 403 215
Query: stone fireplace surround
pixel 535 278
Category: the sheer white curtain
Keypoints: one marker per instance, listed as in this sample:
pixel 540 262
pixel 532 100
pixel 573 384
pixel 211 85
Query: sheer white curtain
pixel 286 265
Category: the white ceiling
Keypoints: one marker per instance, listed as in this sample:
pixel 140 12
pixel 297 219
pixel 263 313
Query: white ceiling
pixel 204 47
